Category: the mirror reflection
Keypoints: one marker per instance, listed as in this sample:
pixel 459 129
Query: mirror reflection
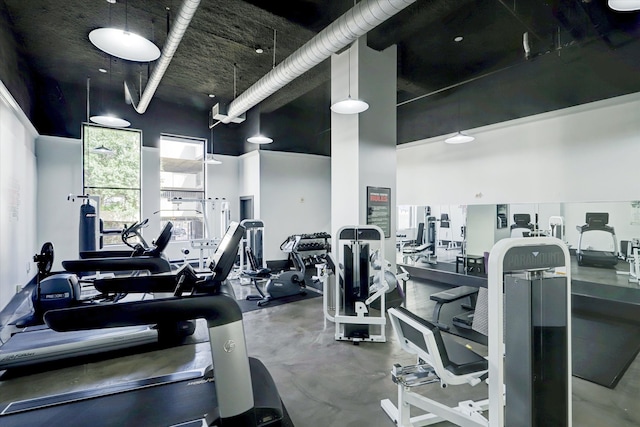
pixel 603 237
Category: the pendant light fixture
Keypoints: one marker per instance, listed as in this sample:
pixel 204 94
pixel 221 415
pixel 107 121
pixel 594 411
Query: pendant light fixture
pixel 123 43
pixel 258 138
pixel 459 137
pixel 108 120
pixel 350 105
pixel 210 158
pixel 624 5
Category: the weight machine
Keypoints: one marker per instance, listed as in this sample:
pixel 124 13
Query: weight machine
pixel 528 317
pixel 209 242
pixel 352 291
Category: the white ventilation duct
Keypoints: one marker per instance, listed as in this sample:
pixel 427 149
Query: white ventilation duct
pixel 187 10
pixel 356 22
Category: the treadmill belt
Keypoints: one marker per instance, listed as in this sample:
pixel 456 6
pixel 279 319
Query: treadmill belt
pixel 603 349
pixel 164 404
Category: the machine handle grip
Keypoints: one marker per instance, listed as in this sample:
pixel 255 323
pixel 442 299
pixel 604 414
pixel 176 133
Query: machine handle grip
pixel 216 309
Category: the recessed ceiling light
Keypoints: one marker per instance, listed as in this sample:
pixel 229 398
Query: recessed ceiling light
pixel 259 50
pixel 124 44
pixel 211 95
pixel 458 39
pixel 111 1
pixel 102 70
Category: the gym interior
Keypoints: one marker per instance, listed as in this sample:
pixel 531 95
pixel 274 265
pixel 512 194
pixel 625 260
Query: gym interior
pixel 476 218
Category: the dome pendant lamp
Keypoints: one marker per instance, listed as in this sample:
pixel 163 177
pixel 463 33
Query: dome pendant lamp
pixel 108 120
pixel 349 105
pixel 123 43
pixel 459 137
pixel 624 5
pixel 258 138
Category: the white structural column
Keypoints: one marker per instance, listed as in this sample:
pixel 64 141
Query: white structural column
pixel 363 146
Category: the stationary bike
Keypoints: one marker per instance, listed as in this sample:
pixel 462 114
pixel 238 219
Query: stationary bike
pixel 284 284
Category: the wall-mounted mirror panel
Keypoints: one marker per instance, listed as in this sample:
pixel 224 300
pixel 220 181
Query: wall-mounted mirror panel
pixel 428 235
pixel 603 237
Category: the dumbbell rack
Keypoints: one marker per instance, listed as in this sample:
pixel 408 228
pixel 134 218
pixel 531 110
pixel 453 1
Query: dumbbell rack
pixel 307 250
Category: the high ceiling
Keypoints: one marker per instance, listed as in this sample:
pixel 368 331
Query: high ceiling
pixel 580 51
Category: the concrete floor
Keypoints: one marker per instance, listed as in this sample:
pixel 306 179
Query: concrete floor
pixel 330 383
pixel 321 381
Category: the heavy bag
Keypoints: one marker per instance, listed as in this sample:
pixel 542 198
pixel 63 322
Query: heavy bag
pixel 87 229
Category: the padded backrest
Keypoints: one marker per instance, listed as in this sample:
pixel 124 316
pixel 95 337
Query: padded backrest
pixel 416 334
pixel 522 220
pixel 420 233
pixel 444 220
pixel 253 263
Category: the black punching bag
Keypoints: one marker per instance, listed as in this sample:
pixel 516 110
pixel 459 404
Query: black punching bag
pixel 87 237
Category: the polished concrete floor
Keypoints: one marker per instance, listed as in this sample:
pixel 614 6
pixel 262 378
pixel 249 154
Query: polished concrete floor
pixel 329 383
pixel 321 381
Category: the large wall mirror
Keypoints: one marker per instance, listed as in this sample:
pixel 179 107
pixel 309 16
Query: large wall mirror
pixel 602 236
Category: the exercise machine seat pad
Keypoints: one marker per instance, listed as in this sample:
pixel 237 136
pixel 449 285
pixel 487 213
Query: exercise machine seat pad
pixel 453 294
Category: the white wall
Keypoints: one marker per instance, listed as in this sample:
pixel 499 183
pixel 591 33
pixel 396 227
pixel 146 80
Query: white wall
pixel 223 183
pixel 18 190
pixel 249 179
pixel 585 153
pixel 59 174
pixel 481 228
pixel 295 197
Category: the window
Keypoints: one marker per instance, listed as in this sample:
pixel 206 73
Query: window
pixel 406 217
pixel 111 173
pixel 182 186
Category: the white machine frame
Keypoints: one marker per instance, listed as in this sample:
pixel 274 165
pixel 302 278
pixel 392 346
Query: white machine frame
pixel 633 258
pixel 251 226
pixel 467 413
pixel 496 320
pixel 208 243
pixel 363 317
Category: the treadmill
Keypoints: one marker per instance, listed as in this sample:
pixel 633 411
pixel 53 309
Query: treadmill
pixel 35 343
pixel 597 244
pixel 239 391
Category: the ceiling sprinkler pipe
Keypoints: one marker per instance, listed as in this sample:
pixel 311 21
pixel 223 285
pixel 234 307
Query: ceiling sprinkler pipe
pixel 187 10
pixel 356 22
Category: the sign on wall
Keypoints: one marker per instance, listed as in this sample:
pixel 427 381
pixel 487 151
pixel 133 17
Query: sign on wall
pixel 379 208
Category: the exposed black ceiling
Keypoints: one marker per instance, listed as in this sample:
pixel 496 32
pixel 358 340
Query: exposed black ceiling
pixel 581 51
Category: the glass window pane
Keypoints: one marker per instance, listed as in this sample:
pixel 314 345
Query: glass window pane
pixel 118 208
pixel 182 186
pixel 117 168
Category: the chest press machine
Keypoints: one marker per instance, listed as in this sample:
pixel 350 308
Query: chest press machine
pixel 529 371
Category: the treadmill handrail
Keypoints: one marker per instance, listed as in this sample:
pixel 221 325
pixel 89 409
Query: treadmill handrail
pixel 152 263
pixel 217 310
pixel 226 339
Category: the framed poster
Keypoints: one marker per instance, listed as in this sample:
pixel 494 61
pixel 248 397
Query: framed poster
pixel 379 208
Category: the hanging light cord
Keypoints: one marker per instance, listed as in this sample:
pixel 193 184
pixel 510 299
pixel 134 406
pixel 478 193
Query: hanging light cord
pixel 234 81
pixel 274 48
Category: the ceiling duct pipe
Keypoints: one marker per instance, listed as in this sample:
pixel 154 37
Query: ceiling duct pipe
pixel 356 22
pixel 187 10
